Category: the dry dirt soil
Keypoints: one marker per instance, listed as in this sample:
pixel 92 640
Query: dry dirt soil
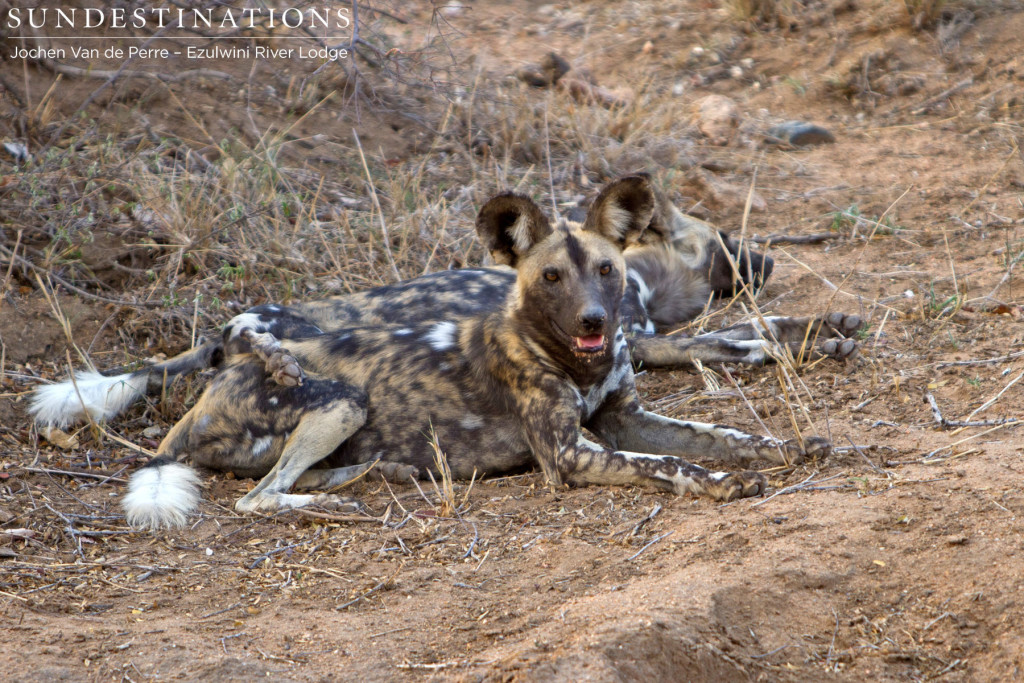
pixel 898 558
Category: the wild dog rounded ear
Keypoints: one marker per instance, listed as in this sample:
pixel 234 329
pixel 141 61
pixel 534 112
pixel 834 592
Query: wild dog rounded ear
pixel 510 225
pixel 662 228
pixel 623 209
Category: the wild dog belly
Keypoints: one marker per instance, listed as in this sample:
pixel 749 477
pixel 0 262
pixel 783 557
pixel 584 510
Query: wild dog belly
pixel 425 392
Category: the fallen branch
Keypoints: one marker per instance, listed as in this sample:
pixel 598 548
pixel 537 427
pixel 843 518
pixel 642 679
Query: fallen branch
pixel 83 475
pixel 652 542
pixel 806 483
pixel 338 518
pixel 816 238
pixel 78 290
pixel 955 424
pixel 983 361
pixel 932 101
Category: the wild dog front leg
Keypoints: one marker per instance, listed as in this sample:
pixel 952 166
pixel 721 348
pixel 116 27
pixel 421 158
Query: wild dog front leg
pixel 827 335
pixel 552 422
pixel 623 423
pixel 669 351
pixel 591 463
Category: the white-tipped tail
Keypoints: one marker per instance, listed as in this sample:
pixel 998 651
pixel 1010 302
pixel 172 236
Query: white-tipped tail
pixel 102 398
pixel 162 494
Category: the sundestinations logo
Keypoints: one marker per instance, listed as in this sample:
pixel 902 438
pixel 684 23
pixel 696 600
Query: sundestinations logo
pixel 63 27
pixel 161 17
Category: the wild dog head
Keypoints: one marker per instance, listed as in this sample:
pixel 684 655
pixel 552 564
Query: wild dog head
pixel 570 277
pixel 706 250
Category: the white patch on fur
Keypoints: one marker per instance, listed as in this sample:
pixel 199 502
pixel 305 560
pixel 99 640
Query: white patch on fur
pixel 404 332
pixel 704 427
pixel 643 291
pixel 274 308
pixel 441 336
pixel 242 321
pixel 99 397
pixel 471 421
pixel 272 400
pixel 612 381
pixel 161 496
pixel 260 445
pixel 757 351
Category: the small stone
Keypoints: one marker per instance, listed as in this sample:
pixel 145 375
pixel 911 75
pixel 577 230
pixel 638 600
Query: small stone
pixel 533 76
pixel 554 66
pixel 799 134
pixel 956 539
pixel 717 117
pixel 60 438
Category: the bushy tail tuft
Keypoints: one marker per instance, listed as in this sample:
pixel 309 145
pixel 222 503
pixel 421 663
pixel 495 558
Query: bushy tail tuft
pixel 90 394
pixel 161 495
pixel 103 397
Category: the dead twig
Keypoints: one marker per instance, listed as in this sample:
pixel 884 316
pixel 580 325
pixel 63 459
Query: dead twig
pixel 945 94
pixel 960 424
pixel 806 483
pixel 649 544
pixel 4 251
pixel 370 592
pixel 982 361
pixel 816 238
pixel 81 475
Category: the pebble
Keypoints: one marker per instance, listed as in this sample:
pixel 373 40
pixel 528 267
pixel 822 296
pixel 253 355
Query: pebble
pixel 800 133
pixel 717 117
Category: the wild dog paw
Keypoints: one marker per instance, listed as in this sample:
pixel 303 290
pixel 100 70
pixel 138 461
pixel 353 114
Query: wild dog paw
pixel 394 471
pixel 842 324
pixel 284 369
pixel 839 349
pixel 332 501
pixel 814 448
pixel 737 485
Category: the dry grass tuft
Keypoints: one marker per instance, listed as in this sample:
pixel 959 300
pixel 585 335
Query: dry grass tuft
pixel 779 13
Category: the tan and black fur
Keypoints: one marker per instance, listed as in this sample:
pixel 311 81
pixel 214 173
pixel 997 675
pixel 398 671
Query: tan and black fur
pixel 500 390
pixel 672 268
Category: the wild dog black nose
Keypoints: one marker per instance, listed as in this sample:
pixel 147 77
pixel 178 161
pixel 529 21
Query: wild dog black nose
pixel 593 318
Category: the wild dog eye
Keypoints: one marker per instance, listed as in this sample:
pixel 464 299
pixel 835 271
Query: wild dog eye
pixel 605 268
pixel 551 275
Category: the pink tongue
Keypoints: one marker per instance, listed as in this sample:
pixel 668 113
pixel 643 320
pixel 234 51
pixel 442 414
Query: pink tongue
pixel 594 341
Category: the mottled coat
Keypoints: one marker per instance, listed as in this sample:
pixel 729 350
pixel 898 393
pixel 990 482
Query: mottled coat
pixel 496 391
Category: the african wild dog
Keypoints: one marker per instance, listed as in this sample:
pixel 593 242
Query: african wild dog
pixel 673 268
pixel 496 391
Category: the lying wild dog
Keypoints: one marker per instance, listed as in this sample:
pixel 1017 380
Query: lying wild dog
pixel 497 391
pixel 672 269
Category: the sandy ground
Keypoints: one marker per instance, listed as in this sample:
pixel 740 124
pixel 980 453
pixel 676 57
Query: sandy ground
pixel 898 558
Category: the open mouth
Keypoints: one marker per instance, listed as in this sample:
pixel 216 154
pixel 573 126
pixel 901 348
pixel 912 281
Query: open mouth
pixel 584 345
pixel 589 344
